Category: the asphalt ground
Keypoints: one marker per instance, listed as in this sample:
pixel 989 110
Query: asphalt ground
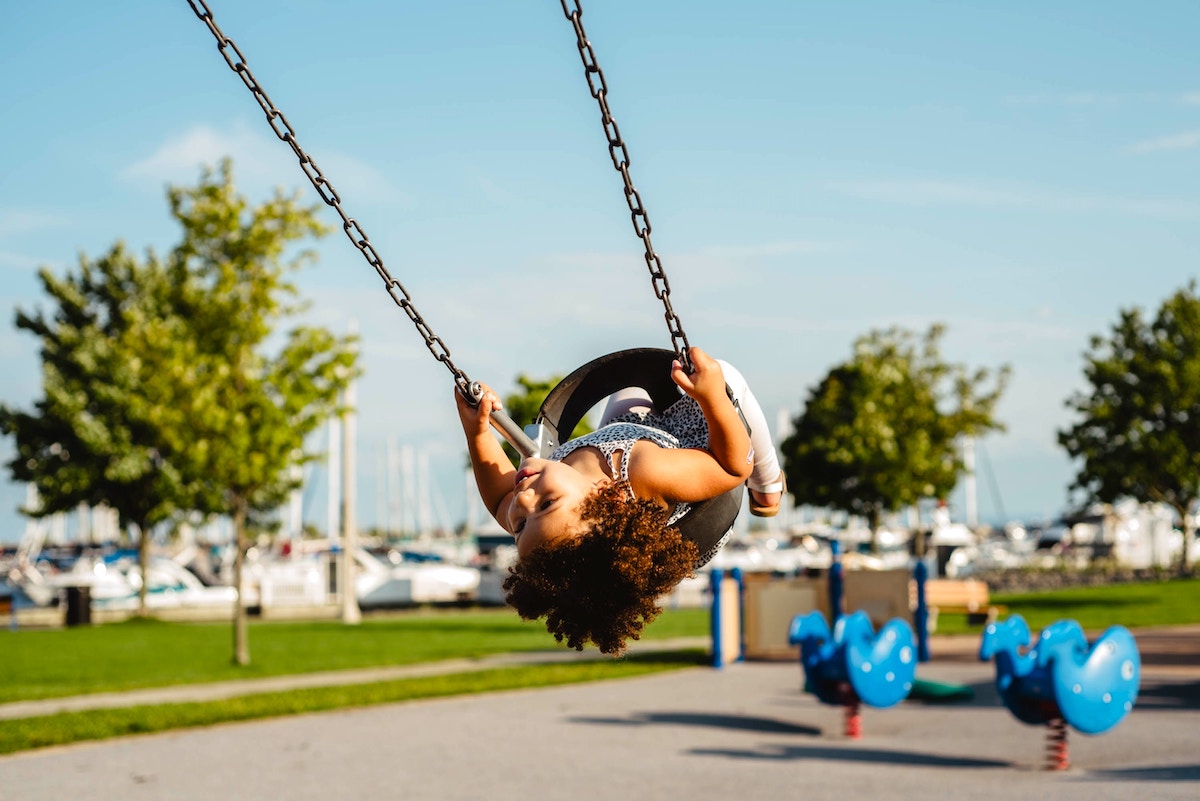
pixel 747 731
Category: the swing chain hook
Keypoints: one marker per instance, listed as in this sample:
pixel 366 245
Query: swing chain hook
pixel 358 237
pixel 619 153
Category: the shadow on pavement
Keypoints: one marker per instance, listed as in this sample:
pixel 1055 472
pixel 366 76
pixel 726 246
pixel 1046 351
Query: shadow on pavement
pixel 843 754
pixel 1169 695
pixel 1164 773
pixel 729 722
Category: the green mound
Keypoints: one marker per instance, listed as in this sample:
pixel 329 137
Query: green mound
pixel 940 692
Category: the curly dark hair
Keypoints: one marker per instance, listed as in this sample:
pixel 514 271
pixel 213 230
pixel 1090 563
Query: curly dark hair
pixel 603 586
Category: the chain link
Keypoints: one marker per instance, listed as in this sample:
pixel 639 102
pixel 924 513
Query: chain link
pixel 279 124
pixel 620 159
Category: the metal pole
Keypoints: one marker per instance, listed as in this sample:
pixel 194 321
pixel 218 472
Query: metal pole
pixel 836 592
pixel 921 615
pixel 969 484
pixel 350 611
pixel 333 469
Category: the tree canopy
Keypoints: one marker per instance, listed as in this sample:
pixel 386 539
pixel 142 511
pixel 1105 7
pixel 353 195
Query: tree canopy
pixel 881 430
pixel 170 386
pixel 1138 431
pixel 523 405
pixel 99 435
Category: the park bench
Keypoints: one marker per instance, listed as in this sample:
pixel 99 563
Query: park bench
pixel 958 597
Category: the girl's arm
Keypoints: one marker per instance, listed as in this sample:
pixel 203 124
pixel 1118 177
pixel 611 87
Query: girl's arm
pixel 689 475
pixel 494 472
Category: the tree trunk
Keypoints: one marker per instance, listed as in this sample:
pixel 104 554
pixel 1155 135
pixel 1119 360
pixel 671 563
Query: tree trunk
pixel 1189 537
pixel 144 568
pixel 241 638
pixel 873 519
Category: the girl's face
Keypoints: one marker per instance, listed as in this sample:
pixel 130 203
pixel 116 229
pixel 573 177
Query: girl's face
pixel 544 505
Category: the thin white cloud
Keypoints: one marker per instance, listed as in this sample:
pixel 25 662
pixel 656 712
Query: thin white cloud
pixel 260 161
pixel 355 180
pixel 932 193
pixel 713 268
pixel 1102 99
pixel 1092 99
pixel 718 268
pixel 13 223
pixel 496 193
pixel 997 336
pixel 1188 140
pixel 1081 98
pixel 179 157
pixel 926 193
pixel 999 332
pixel 17 261
pixel 764 250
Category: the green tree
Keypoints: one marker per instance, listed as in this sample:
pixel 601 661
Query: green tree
pixel 523 406
pixel 254 393
pixel 881 431
pixel 98 434
pixel 1138 433
pixel 170 387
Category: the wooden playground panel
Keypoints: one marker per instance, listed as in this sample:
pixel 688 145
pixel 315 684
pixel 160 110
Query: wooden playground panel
pixel 770 603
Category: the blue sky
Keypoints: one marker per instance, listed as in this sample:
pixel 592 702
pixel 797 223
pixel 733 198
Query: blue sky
pixel 1018 171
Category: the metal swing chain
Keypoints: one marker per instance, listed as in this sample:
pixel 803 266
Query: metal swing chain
pixel 620 159
pixel 279 124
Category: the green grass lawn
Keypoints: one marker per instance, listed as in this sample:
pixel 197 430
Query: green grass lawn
pixel 69 727
pixel 147 653
pixel 1164 603
pixel 46 663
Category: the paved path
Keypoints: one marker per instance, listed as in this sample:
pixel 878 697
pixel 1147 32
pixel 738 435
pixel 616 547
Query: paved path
pixel 745 732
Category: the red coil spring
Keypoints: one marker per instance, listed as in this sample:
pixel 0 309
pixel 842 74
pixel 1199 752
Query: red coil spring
pixel 1056 745
pixel 853 720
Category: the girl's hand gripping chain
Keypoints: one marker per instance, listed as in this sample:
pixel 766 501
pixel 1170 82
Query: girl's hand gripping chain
pixel 493 471
pixel 706 384
pixel 476 420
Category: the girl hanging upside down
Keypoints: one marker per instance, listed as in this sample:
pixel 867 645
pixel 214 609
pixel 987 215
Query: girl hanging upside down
pixel 593 523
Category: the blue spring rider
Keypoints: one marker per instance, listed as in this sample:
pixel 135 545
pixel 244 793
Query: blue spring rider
pixel 1060 681
pixel 852 665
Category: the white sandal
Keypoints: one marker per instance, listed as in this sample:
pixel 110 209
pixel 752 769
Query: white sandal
pixel 780 486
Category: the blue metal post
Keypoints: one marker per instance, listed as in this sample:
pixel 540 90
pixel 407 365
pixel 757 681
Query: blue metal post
pixel 921 616
pixel 716 577
pixel 836 592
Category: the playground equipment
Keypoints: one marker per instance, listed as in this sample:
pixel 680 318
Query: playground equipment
pixel 851 665
pixel 728 642
pixel 1060 681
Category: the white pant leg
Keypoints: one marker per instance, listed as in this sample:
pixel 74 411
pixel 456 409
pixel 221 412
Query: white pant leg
pixel 766 460
pixel 630 399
